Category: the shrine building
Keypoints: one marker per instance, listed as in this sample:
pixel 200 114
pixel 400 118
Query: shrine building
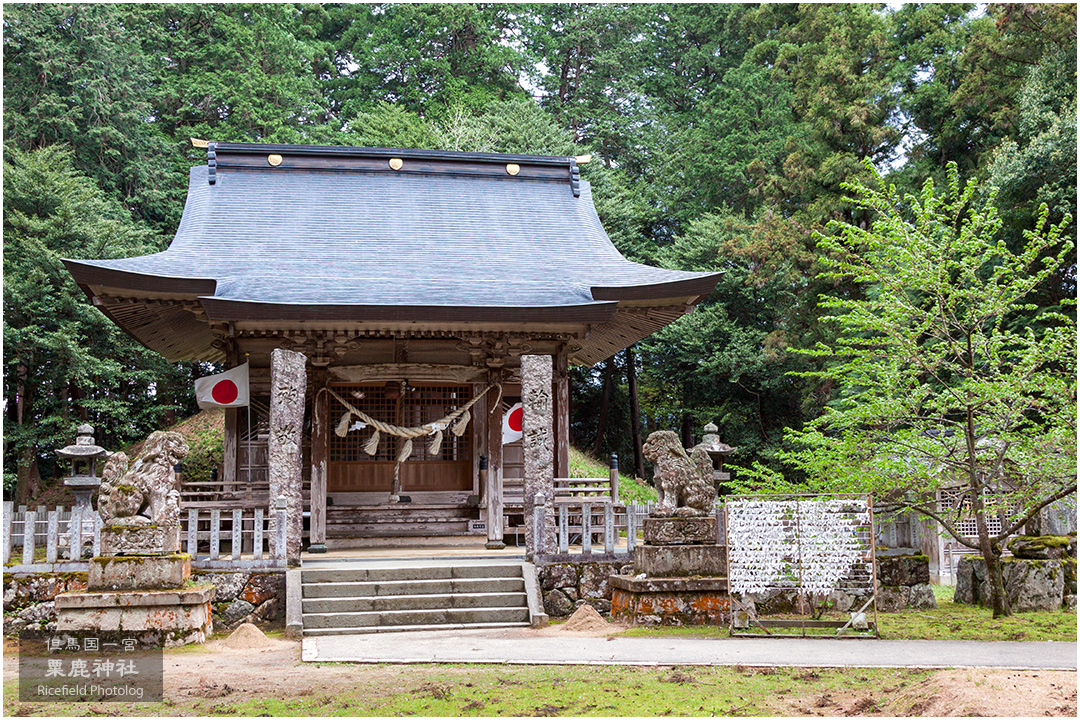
pixel 412 282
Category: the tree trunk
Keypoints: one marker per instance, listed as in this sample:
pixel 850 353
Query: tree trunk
pixel 999 601
pixel 687 430
pixel 635 413
pixel 605 398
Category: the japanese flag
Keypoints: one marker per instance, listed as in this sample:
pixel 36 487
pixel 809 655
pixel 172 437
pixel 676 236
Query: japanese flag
pixel 227 389
pixel 512 424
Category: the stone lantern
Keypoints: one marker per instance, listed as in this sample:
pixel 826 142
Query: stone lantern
pixel 717 450
pixel 83 455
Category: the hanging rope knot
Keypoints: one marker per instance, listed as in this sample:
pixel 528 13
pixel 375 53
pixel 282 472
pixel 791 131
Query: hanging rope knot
pixel 457 422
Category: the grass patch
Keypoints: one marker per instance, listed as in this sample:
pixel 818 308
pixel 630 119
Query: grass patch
pixel 948 621
pixel 631 489
pixel 953 621
pixel 486 690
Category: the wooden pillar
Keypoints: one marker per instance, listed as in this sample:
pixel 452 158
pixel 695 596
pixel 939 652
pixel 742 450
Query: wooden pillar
pixel 560 391
pixel 230 443
pixel 288 381
pixel 493 485
pixel 320 449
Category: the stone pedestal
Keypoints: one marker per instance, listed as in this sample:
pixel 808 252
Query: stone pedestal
pixel 147 539
pixel 680 576
pixel 155 618
pixel 680 530
pixel 139 572
pixel 671 601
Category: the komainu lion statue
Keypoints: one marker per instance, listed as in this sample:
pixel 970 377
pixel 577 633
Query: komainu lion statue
pixel 683 482
pixel 143 494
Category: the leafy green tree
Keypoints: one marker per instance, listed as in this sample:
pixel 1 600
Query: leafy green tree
pixel 428 58
pixel 76 74
pixel 64 362
pixel 937 388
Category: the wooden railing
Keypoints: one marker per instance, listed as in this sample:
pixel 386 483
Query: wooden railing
pixel 215 539
pixel 587 527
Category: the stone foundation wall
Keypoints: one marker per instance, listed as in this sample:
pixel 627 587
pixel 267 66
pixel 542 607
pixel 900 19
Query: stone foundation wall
pixel 1029 584
pixel 245 596
pixel 241 596
pixel 566 586
pixel 28 599
pixel 904 582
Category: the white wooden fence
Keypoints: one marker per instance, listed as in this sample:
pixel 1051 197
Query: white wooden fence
pixel 587 528
pixel 215 539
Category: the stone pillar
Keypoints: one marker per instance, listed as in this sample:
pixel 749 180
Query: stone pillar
pixel 288 379
pixel 538 442
pixel 493 486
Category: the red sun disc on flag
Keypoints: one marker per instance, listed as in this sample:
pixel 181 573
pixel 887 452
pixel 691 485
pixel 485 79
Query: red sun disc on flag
pixel 514 421
pixel 225 392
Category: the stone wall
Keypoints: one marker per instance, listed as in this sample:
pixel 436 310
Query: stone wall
pixel 1029 584
pixel 241 596
pixel 566 586
pixel 245 596
pixel 28 599
pixel 904 582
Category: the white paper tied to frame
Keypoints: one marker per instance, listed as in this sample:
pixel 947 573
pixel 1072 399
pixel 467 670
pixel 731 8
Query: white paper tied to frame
pixel 770 541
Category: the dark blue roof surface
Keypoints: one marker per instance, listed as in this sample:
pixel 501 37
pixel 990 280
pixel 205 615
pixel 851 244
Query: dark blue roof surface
pixel 310 237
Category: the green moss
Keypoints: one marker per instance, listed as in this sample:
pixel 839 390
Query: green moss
pixel 1042 541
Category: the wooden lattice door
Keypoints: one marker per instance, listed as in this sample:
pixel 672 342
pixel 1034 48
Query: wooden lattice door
pixel 352 470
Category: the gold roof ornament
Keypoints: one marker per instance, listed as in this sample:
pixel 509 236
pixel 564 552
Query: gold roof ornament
pixel 583 159
pixel 396 163
pixel 274 159
pixel 513 168
pixel 197 143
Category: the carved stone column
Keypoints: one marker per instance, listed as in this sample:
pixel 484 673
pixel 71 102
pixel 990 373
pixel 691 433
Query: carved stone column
pixel 288 380
pixel 538 442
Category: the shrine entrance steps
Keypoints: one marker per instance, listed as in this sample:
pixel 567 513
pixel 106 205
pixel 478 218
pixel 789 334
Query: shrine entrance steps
pixel 342 597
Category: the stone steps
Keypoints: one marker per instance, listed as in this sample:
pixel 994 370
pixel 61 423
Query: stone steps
pixel 358 598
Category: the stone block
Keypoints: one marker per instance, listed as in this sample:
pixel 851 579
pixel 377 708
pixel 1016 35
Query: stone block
pixel 1034 584
pixel 24 589
pixel 680 530
pixel 1042 547
pixel 594 580
pixel 235 613
pixel 139 572
pixel 892 598
pixel 140 539
pixel 903 570
pixel 680 560
pixel 557 604
pixel 777 602
pixel 841 601
pixel 558 576
pixel 922 597
pixel 228 585
pixel 1029 584
pixel 671 601
pixel 164 617
pixel 263 587
pixel 601 606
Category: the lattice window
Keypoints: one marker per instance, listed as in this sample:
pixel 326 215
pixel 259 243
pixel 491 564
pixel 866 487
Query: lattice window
pixel 416 406
pixel 956 502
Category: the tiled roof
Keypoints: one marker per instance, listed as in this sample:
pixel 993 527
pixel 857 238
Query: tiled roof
pixel 327 230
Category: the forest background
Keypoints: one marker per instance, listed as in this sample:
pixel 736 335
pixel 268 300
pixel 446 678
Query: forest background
pixel 720 137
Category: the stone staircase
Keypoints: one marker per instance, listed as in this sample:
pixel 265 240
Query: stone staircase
pixel 343 598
